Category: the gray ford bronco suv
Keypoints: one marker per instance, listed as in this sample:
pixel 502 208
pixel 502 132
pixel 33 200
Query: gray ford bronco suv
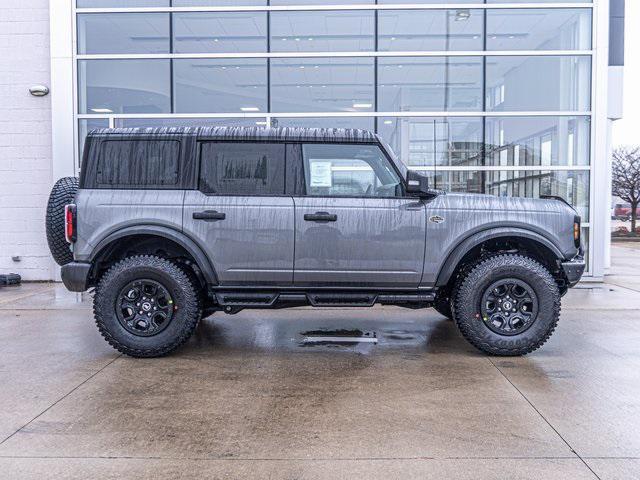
pixel 170 225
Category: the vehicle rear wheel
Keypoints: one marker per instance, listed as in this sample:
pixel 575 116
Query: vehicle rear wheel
pixel 62 193
pixel 146 306
pixel 507 305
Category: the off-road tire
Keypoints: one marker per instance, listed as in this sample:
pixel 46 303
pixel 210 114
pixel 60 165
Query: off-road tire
pixel 187 307
pixel 468 295
pixel 62 193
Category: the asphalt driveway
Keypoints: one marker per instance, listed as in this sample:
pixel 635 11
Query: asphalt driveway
pixel 248 397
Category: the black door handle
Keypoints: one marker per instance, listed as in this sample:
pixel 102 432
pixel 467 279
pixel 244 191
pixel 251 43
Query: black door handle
pixel 209 215
pixel 320 217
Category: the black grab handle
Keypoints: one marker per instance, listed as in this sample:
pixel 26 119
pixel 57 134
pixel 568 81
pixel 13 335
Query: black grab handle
pixel 320 217
pixel 209 215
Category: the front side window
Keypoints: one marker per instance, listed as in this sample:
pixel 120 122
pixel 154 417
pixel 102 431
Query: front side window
pixel 138 163
pixel 335 170
pixel 242 168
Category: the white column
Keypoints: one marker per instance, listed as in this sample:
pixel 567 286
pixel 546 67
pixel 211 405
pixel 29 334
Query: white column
pixel 62 94
pixel 62 88
pixel 600 176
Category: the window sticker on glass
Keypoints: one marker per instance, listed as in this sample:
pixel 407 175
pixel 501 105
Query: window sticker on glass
pixel 320 174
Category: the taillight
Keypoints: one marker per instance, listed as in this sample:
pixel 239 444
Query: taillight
pixel 70 223
pixel 576 231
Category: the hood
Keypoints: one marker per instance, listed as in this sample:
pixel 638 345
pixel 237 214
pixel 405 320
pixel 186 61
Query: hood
pixel 481 201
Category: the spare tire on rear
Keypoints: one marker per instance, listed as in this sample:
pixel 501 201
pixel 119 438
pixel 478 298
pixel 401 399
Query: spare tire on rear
pixel 62 193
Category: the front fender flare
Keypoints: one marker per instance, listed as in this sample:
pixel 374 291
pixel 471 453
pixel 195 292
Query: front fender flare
pixel 449 265
pixel 169 233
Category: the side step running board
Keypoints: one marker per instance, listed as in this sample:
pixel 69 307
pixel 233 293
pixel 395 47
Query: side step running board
pixel 246 299
pixel 341 299
pixel 235 300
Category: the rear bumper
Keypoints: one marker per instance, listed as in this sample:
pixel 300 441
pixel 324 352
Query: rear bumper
pixel 573 269
pixel 74 276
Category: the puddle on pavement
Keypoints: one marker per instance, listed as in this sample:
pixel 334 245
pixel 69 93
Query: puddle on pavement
pixel 338 337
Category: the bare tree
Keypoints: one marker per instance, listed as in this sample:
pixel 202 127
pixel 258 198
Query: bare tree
pixel 626 178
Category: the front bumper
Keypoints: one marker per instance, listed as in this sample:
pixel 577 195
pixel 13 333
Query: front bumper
pixel 74 276
pixel 573 269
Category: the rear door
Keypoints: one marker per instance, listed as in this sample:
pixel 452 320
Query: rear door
pixel 354 225
pixel 240 214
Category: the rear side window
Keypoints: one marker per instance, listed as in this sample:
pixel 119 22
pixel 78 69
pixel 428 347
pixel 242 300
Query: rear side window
pixel 242 168
pixel 136 163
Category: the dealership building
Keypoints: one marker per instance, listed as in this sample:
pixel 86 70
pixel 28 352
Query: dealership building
pixel 484 96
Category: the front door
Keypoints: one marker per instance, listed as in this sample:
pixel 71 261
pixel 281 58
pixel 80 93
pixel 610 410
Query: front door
pixel 240 215
pixel 354 226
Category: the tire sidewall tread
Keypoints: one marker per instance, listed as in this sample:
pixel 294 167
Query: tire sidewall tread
pixel 62 193
pixel 174 279
pixel 471 288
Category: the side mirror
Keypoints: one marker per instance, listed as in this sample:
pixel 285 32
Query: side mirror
pixel 417 184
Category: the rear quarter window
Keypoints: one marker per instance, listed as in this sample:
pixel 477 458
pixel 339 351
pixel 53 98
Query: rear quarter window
pixel 246 168
pixel 138 163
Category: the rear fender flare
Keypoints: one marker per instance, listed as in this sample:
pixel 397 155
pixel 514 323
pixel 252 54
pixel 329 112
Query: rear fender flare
pixel 180 238
pixel 448 267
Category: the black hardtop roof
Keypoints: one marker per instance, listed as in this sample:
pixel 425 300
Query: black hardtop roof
pixel 289 134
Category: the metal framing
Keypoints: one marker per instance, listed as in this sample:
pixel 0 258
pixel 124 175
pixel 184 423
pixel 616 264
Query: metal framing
pixel 596 7
pixel 320 7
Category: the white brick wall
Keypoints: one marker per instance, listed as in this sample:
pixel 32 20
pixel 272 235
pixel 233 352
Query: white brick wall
pixel 25 138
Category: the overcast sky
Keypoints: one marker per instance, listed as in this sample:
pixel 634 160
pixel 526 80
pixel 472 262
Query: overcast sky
pixel 627 130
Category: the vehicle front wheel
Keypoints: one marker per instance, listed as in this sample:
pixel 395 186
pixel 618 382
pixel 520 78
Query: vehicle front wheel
pixel 146 306
pixel 507 305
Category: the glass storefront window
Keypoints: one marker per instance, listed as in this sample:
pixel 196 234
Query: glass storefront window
pixel 220 85
pixel 455 181
pixel 121 3
pixel 190 122
pixel 573 186
pixel 322 84
pixel 85 125
pixel 212 32
pixel 539 29
pixel 322 31
pixel 539 1
pixel 514 141
pixel 310 86
pixel 414 30
pixel 429 1
pixel 124 86
pixel 429 83
pixel 123 33
pixel 425 141
pixel 319 2
pixel 216 3
pixel 366 123
pixel 551 83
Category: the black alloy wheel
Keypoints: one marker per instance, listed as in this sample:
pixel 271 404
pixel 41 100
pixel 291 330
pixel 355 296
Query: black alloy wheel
pixel 509 306
pixel 145 307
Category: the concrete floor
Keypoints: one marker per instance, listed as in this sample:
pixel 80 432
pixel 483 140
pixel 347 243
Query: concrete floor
pixel 247 399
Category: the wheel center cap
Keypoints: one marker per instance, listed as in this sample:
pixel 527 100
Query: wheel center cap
pixel 146 306
pixel 507 305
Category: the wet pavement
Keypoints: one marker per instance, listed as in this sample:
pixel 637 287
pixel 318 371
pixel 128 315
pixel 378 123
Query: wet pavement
pixel 264 394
